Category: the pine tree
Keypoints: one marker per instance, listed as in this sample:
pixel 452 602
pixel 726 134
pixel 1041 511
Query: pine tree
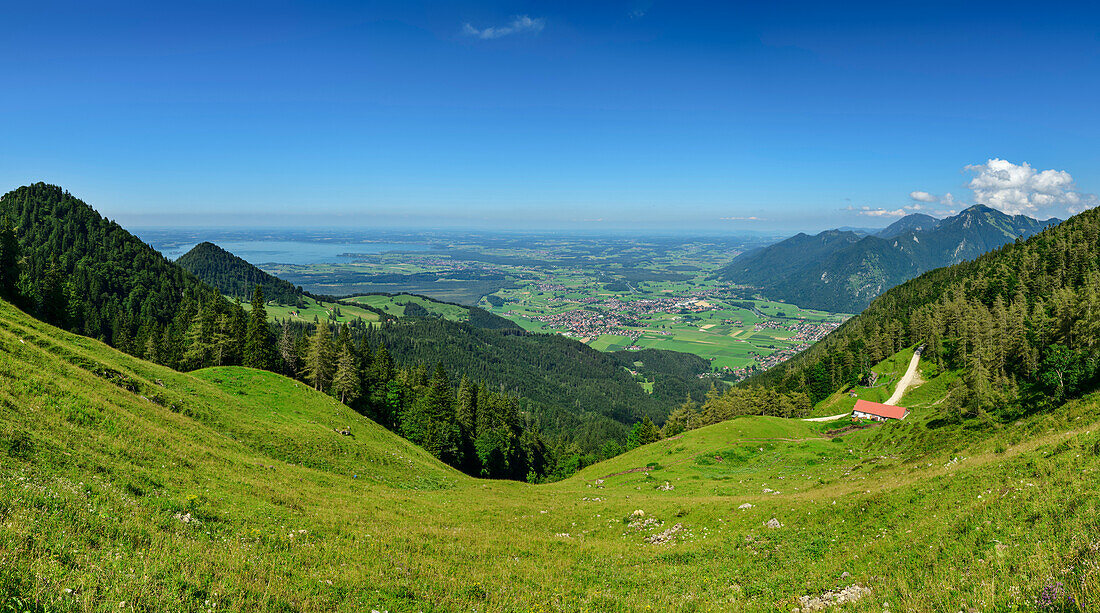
pixel 257 341
pixel 196 353
pixel 319 360
pixel 643 433
pixel 382 365
pixel 223 340
pixel 681 419
pixel 345 384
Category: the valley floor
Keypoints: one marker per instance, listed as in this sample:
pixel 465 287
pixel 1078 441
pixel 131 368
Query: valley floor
pixel 127 486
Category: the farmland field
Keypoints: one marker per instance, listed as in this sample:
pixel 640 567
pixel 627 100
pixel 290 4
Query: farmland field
pixel 719 323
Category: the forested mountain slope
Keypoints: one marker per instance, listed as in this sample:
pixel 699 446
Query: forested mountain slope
pixel 571 389
pixel 917 222
pixel 125 485
pixel 760 266
pixel 1022 322
pixel 837 272
pixel 234 277
pixel 415 305
pixel 89 275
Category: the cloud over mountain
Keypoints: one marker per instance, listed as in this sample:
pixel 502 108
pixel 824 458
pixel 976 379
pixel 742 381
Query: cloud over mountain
pixel 1020 188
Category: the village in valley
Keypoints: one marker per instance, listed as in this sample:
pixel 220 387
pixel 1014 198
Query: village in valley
pixel 611 294
pixel 738 336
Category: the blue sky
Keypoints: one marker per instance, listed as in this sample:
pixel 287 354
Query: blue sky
pixel 638 114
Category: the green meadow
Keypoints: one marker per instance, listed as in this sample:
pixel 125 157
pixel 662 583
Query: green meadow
pixel 315 309
pixel 128 486
pixel 395 305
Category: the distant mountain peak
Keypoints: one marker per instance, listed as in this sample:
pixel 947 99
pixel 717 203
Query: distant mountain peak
pixel 860 268
pixel 914 222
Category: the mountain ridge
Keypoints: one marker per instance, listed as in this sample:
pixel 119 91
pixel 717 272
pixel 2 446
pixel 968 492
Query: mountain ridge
pixel 844 272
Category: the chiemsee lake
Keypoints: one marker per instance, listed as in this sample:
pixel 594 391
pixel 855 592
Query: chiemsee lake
pixel 273 250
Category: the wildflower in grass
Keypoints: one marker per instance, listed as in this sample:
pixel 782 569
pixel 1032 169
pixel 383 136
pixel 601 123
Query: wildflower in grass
pixel 1053 597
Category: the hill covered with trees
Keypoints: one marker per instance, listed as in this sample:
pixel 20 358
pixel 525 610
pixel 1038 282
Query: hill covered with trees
pixel 71 267
pixel 569 388
pixel 234 277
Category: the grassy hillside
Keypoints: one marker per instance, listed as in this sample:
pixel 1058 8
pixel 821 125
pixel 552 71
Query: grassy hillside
pixel 125 485
pixel 889 372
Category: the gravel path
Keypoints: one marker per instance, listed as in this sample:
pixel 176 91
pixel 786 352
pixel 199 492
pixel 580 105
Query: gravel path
pixel 905 380
pixel 829 418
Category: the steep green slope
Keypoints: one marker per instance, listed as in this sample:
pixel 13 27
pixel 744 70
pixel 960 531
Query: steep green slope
pixel 841 272
pixel 243 498
pixel 234 277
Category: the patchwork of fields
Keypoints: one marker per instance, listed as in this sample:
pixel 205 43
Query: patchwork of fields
pixel 700 318
pixel 608 292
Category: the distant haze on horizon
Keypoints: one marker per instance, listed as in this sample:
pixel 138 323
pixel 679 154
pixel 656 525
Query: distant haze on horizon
pixel 641 115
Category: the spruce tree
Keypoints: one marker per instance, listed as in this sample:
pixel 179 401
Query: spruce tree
pixel 345 384
pixel 319 360
pixel 643 433
pixel 224 340
pixel 197 341
pixel 257 341
pixel 51 294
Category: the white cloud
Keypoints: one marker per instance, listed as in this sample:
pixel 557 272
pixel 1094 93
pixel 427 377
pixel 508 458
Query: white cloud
pixel 920 196
pixel 741 218
pixel 880 212
pixel 522 23
pixel 1020 189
